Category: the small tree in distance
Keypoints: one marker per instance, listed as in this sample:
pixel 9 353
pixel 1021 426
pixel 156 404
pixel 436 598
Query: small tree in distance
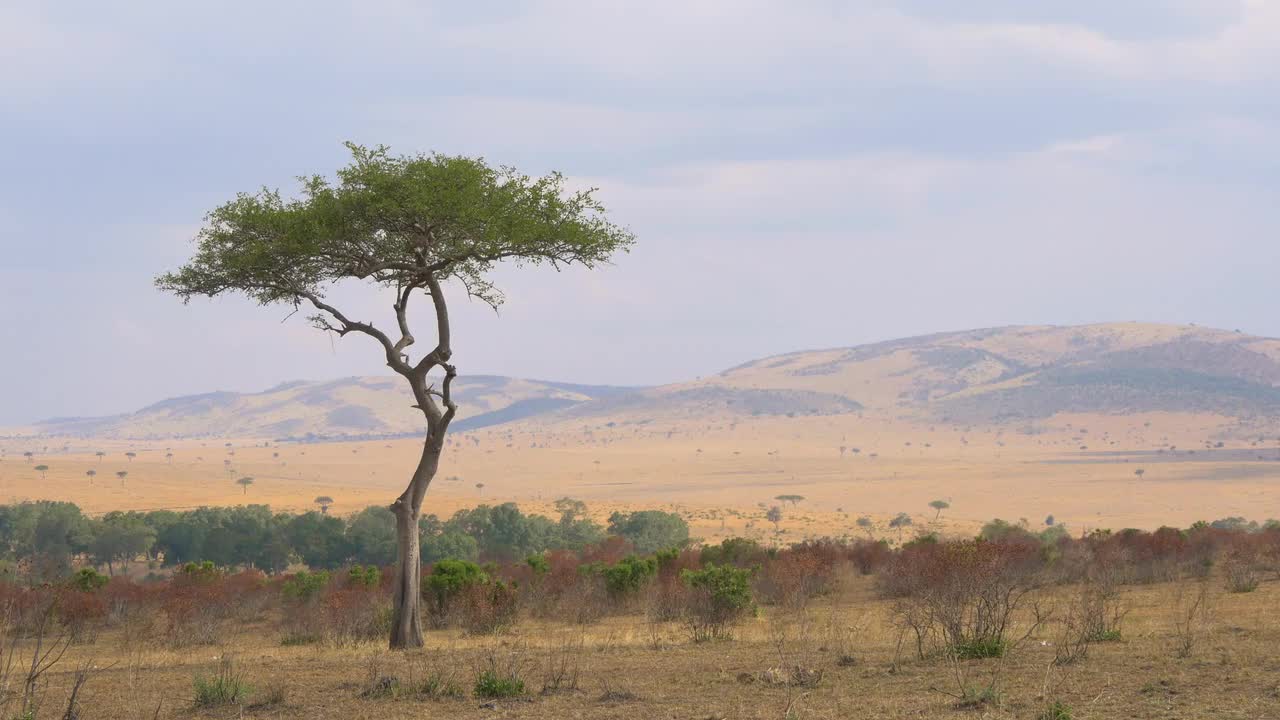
pixel 774 515
pixel 324 501
pixel 793 499
pixel 939 506
pixel 1140 472
pixel 131 455
pixel 900 521
pixel 42 469
pixel 122 474
pixel 91 474
pixel 245 482
pixel 867 526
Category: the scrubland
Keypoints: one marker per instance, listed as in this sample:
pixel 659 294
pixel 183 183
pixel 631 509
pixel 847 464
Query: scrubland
pixel 1018 625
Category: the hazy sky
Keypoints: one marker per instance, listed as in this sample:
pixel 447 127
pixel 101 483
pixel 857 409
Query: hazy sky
pixel 799 174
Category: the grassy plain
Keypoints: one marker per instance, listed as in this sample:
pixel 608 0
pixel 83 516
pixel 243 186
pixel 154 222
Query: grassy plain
pixel 718 473
pixel 626 667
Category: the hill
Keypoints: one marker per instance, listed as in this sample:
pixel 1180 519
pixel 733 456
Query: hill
pixel 356 407
pixel 1000 375
pixel 1009 375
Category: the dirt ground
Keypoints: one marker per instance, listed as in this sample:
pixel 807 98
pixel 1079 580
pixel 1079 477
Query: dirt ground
pixel 625 667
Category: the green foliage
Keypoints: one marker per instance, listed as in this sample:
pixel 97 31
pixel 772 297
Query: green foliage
pixel 88 580
pixel 304 586
pixel 226 687
pixel 200 573
pixel 400 214
pixel 627 576
pixel 999 530
pixel 364 576
pixel 980 648
pixel 448 578
pixel 650 530
pixel 371 536
pixel 921 540
pixel 742 552
pixel 723 596
pixel 538 563
pixel 491 683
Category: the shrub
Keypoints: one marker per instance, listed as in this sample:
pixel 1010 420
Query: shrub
pixel 497 681
pixel 226 687
pixel 625 578
pixel 487 607
pixel 81 613
pixel 88 580
pixel 446 580
pixel 650 530
pixel 356 614
pixel 538 564
pixel 305 586
pixel 721 597
pixel 369 576
pixel 964 592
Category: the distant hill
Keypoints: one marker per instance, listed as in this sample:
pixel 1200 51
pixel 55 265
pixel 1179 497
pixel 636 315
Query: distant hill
pixel 996 375
pixel 357 407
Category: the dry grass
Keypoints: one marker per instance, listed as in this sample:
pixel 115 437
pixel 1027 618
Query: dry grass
pixel 832 659
pixel 715 472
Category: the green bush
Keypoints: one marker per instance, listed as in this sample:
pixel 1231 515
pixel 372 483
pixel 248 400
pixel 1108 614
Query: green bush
pixel 226 687
pixel 491 683
pixel 200 573
pixel 650 530
pixel 721 597
pixel 448 578
pixel 304 585
pixel 88 580
pixel 980 648
pixel 626 577
pixel 538 563
pixel 369 576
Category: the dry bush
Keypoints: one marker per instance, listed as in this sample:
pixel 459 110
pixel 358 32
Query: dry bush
pixel 964 593
pixel 354 615
pixel 1243 562
pixel 561 663
pixel 1193 615
pixel 794 576
pixel 487 608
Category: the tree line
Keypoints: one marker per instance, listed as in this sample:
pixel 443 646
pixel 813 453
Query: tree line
pixel 45 540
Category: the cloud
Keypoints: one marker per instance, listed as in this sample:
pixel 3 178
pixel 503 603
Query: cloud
pixel 799 174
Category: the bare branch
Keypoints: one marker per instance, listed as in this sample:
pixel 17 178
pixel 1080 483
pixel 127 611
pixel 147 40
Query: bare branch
pixel 346 325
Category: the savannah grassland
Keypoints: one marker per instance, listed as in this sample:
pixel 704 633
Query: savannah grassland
pixel 716 472
pixel 626 667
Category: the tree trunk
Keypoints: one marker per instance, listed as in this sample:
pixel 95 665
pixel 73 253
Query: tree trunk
pixel 406 619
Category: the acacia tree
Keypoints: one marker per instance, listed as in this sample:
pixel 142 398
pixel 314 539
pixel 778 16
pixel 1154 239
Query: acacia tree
pixel 411 225
pixel 245 482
